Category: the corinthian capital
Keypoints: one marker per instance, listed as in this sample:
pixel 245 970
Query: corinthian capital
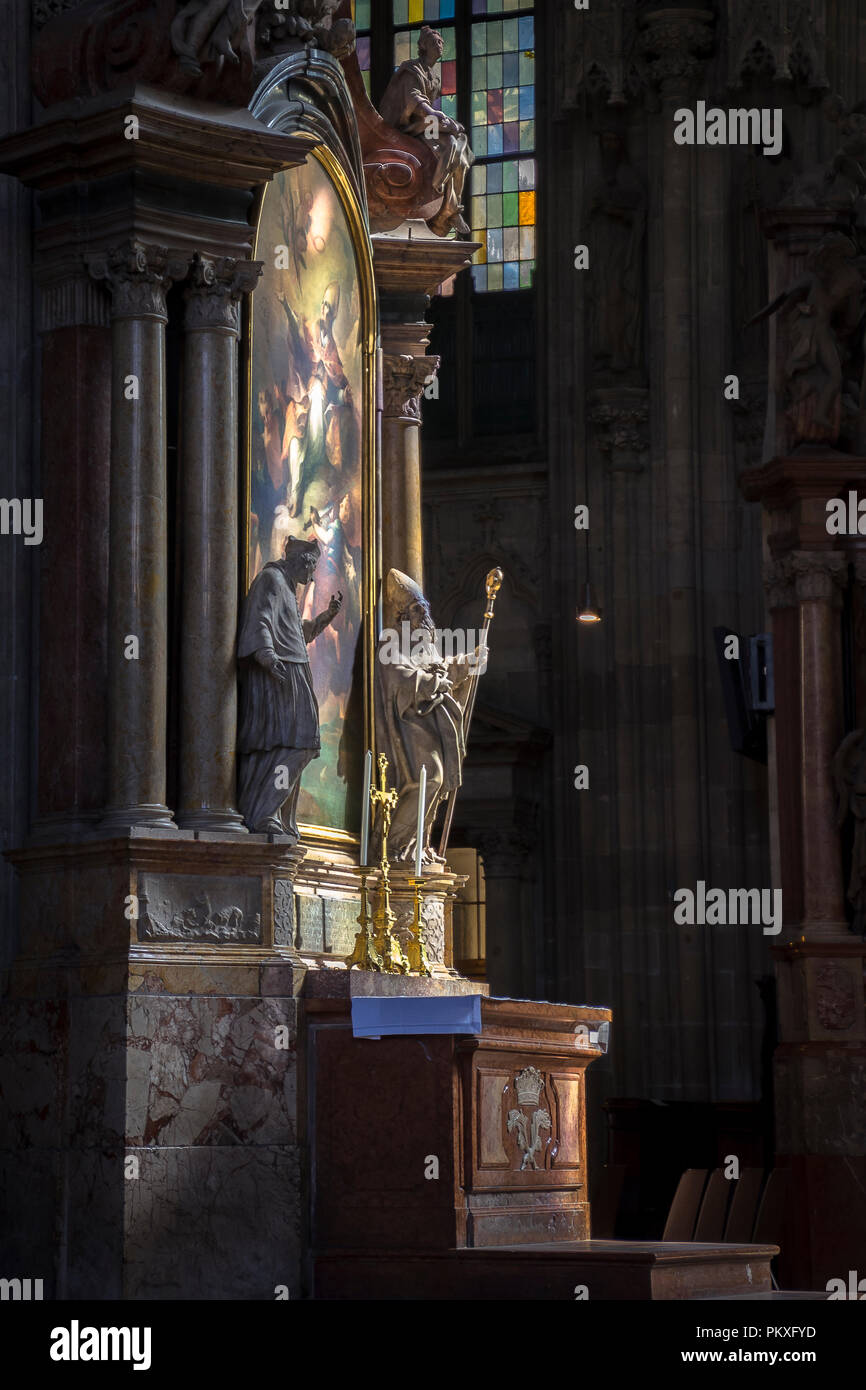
pixel 403 379
pixel 819 574
pixel 804 575
pixel 138 278
pixel 675 44
pixel 214 292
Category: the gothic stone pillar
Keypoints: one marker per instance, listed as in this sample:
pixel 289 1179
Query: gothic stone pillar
pixel 675 43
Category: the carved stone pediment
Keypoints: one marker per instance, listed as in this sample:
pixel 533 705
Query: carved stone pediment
pixel 216 49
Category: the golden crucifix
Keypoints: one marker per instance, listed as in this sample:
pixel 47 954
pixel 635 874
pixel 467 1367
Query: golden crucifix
pixel 396 960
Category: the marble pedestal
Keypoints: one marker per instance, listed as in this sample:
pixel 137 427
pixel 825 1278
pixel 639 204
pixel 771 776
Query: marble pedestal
pixel 150 1145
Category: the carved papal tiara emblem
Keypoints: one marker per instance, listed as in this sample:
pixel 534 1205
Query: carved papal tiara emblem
pixel 529 1084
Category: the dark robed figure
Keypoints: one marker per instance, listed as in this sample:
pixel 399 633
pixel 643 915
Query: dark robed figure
pixel 278 733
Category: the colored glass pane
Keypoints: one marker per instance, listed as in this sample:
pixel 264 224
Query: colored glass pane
pixel 481 7
pixel 510 243
pixel 449 81
pixel 494 243
pixel 511 275
pixel 401 11
pixel 416 11
pixel 509 210
pixel 362 48
pixel 527 209
pixel 494 277
pixel 527 135
pixel 361 13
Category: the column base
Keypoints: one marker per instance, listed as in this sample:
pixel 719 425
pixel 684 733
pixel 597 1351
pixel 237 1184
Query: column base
pixel 822 931
pixel 124 818
pixel 225 822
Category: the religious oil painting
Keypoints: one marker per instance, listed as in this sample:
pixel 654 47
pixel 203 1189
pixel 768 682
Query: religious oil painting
pixel 307 407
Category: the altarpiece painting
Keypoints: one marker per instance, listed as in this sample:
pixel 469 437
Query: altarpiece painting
pixel 311 446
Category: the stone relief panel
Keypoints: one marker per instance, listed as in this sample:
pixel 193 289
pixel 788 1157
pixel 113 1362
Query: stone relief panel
pixel 433 918
pixel 184 907
pixel 341 924
pixel 284 913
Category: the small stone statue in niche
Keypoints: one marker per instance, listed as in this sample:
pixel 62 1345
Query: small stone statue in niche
pixel 420 706
pixel 618 219
pixel 278 728
pixel 822 313
pixel 409 105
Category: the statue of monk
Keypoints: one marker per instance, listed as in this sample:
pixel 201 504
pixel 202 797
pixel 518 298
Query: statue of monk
pixel 278 727
pixel 409 105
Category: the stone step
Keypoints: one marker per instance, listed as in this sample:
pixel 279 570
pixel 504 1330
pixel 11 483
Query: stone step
pixel 606 1269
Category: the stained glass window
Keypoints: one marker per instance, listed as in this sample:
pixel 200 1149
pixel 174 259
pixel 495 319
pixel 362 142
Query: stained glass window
pixel 503 138
pixel 488 83
pixel 361 16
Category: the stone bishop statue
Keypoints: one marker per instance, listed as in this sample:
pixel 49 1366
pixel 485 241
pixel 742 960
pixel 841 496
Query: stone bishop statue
pixel 420 706
pixel 278 726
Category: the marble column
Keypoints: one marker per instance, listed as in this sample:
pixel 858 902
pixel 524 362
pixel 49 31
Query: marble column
pixel 209 530
pixel 138 278
pixel 819 579
pixel 403 380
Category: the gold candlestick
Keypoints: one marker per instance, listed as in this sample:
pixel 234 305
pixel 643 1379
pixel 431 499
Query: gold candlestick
pixel 365 954
pixel 395 958
pixel 423 966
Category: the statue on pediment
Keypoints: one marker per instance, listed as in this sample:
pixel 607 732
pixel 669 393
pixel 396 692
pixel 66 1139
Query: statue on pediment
pixel 409 105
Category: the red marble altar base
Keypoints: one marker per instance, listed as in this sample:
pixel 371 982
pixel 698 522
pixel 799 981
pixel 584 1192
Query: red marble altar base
pixel 384 1115
pixel 605 1269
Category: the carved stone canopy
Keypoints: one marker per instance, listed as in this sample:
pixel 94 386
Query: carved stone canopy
pixel 768 42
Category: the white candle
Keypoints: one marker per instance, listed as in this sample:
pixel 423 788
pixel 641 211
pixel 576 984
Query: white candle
pixel 365 808
pixel 419 833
